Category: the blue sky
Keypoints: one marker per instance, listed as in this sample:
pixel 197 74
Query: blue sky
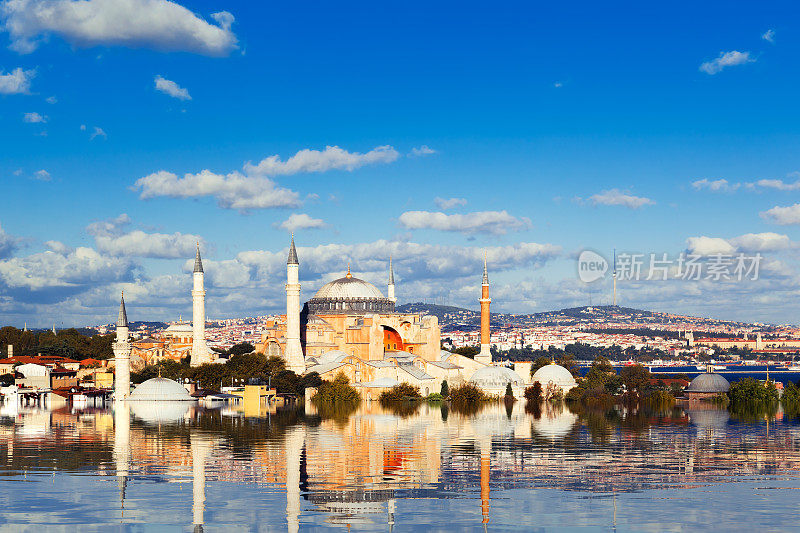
pixel 554 127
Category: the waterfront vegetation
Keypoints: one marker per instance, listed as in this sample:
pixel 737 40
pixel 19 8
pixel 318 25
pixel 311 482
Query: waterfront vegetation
pixel 467 398
pixel 71 343
pixel 401 392
pixel 239 369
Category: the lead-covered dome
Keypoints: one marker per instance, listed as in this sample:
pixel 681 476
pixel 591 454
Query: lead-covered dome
pixel 160 390
pixel 557 374
pixel 709 383
pixel 347 295
pixel 495 376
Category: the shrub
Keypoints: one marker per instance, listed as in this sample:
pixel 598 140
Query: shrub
pixel 435 397
pixel 445 389
pixel 534 393
pixel 403 391
pixel 336 391
pixel 466 397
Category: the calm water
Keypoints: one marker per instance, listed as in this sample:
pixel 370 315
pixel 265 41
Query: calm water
pixel 182 468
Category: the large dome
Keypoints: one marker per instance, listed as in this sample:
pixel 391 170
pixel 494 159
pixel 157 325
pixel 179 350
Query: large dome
pixel 709 383
pixel 348 287
pixel 160 390
pixel 349 295
pixel 495 376
pixel 556 373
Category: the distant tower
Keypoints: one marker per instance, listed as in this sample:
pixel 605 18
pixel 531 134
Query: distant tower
pixel 25 328
pixel 54 330
pixel 294 351
pixel 485 356
pixel 614 275
pixel 390 289
pixel 200 353
pixel 122 355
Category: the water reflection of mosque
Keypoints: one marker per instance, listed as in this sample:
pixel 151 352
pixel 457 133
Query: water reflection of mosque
pixel 361 469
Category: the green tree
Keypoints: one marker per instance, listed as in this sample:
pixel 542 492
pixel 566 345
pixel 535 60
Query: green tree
pixel 445 389
pixel 534 393
pixel 509 390
pixel 635 378
pixel 539 363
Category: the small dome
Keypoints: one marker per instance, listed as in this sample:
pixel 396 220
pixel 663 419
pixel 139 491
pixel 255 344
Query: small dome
pixel 160 390
pixel 495 376
pixel 709 383
pixel 333 356
pixel 348 287
pixel 556 373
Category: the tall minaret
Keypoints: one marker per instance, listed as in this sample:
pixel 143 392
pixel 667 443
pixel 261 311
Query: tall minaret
pixel 200 353
pixel 122 355
pixel 390 289
pixel 614 301
pixel 294 351
pixel 485 356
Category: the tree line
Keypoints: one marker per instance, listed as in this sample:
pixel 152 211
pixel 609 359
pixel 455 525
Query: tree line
pixel 70 343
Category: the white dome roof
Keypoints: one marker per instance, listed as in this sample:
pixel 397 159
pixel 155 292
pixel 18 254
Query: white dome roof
pixel 181 327
pixel 348 287
pixel 332 356
pixel 160 390
pixel 555 373
pixel 495 376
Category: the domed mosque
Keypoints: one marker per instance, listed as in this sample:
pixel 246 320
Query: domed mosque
pixel 349 326
pixel 495 379
pixel 707 385
pixel 160 390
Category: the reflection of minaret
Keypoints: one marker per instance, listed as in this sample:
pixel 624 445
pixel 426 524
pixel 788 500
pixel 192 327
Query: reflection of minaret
pixel 390 289
pixel 200 451
pixel 485 356
pixel 122 355
pixel 200 352
pixel 614 275
pixel 486 451
pixel 293 448
pixel 390 505
pixel 294 351
pixel 122 448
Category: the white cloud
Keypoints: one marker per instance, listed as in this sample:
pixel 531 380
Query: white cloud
pixel 619 198
pixel 156 24
pixel 8 244
pixel 720 185
pixel 558 84
pixel 42 175
pixel 762 242
pixel 98 132
pixel 298 221
pixel 726 59
pixel 709 245
pixel 784 216
pixel 747 243
pixel 422 151
pixel 112 238
pixel 232 191
pixel 779 185
pixel 253 189
pixel 80 268
pixel 769 36
pixel 493 222
pixel 449 203
pixel 34 118
pixel 171 88
pixel 51 100
pixel 331 158
pixel 17 81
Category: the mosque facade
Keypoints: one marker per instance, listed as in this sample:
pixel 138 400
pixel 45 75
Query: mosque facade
pixel 349 326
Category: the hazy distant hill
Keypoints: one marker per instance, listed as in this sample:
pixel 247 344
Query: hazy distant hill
pixel 452 317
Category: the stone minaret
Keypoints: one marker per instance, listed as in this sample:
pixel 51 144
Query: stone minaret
pixel 122 355
pixel 294 351
pixel 200 353
pixel 390 289
pixel 485 356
